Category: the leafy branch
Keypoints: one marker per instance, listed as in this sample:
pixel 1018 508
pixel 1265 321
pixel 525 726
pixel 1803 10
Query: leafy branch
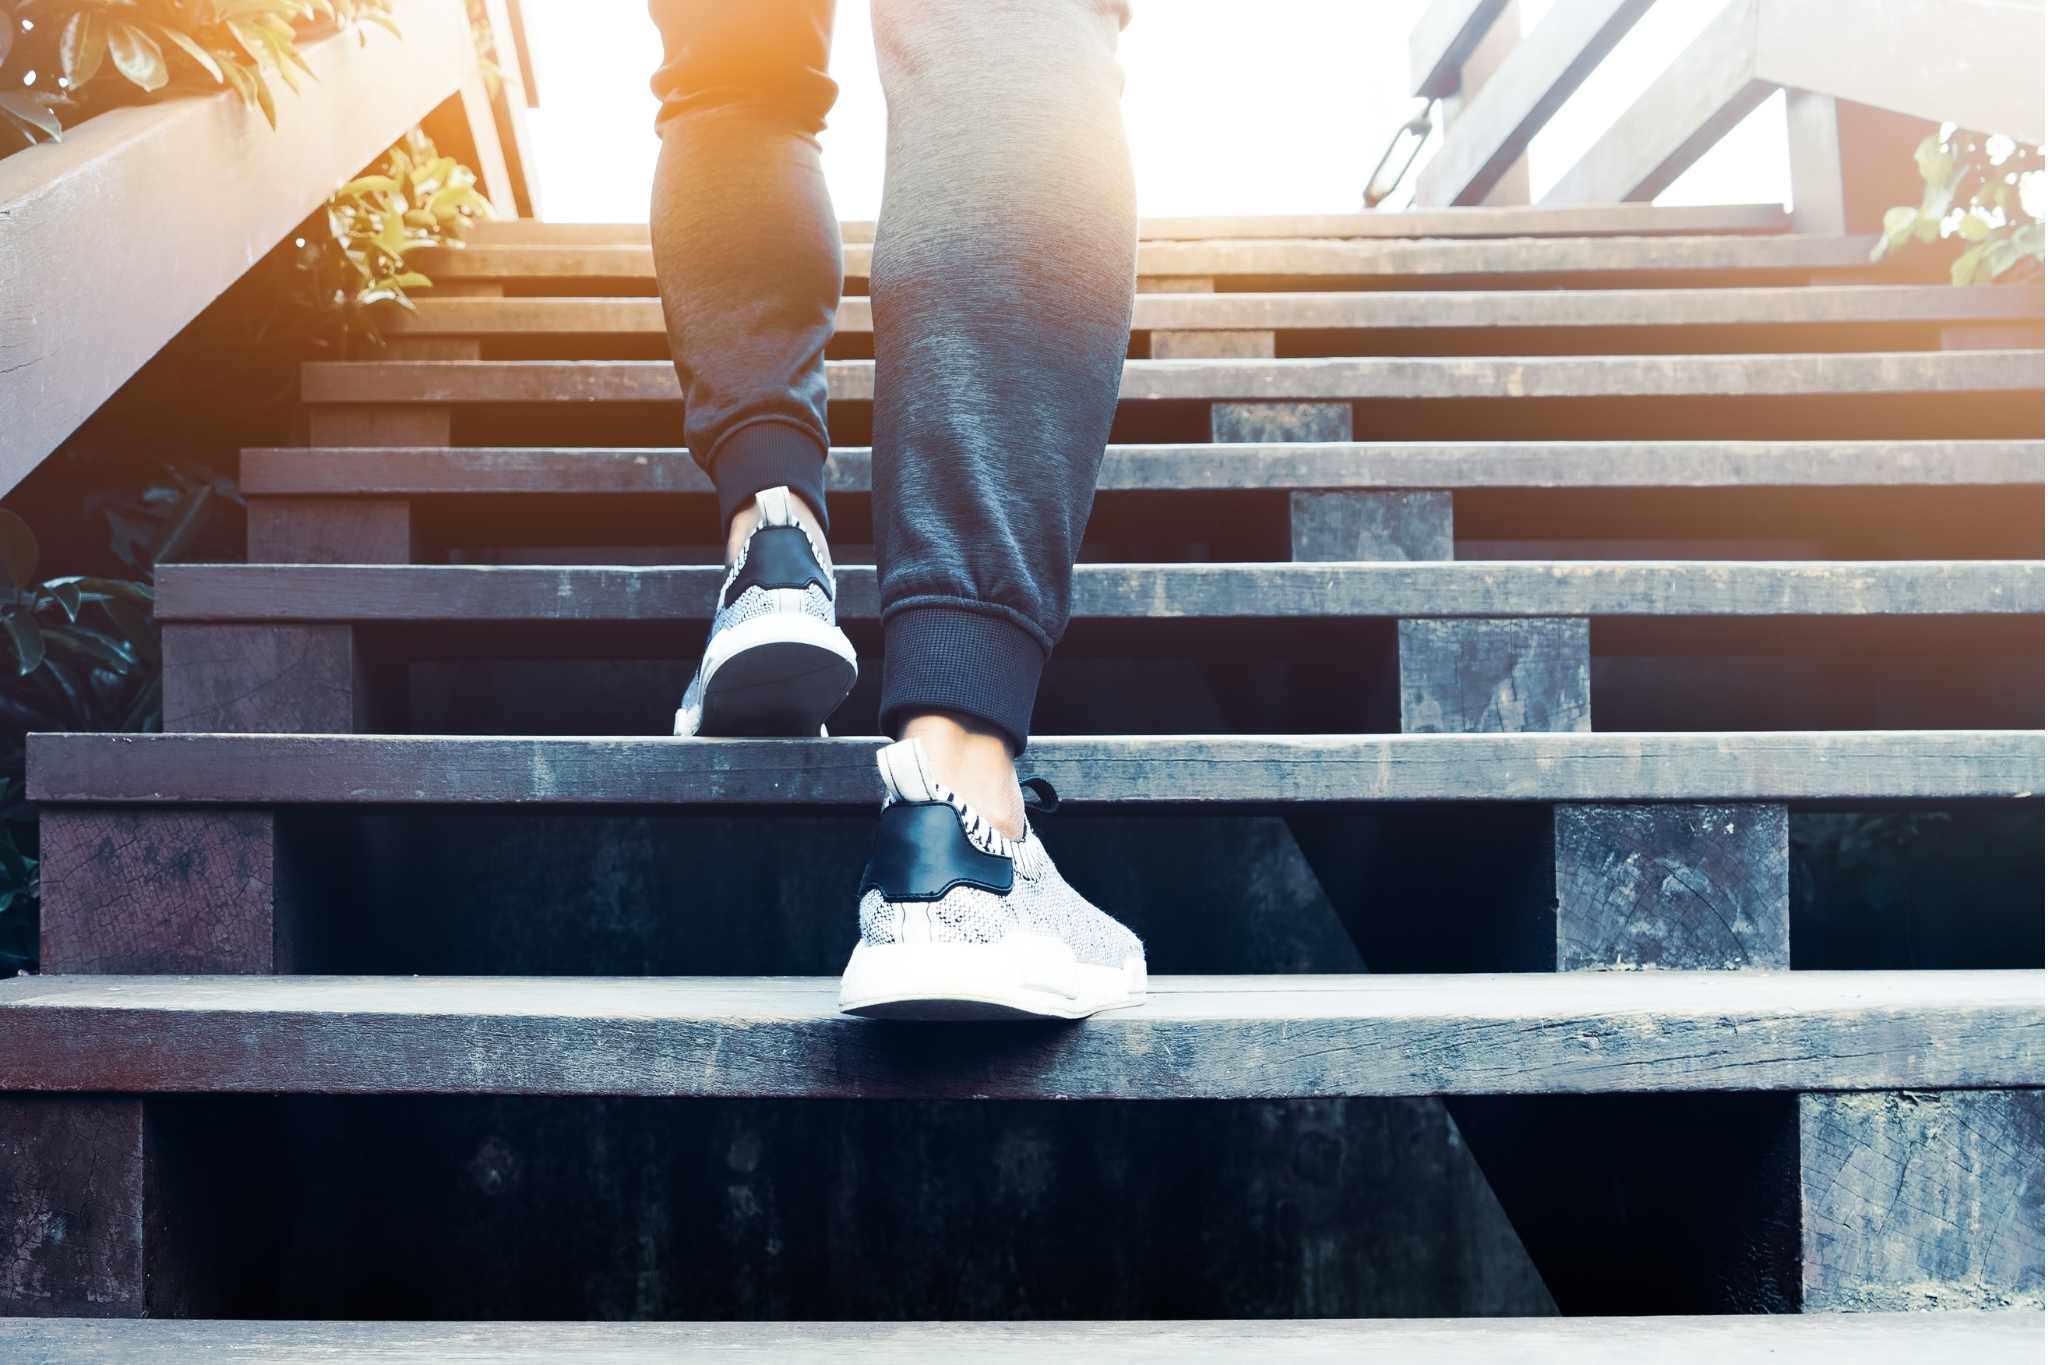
pixel 1975 189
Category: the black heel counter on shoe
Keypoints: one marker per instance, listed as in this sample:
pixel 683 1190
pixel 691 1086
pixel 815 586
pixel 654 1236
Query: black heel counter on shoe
pixel 921 853
pixel 779 557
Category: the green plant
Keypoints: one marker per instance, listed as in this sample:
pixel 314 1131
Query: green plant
pixel 143 46
pixel 1975 189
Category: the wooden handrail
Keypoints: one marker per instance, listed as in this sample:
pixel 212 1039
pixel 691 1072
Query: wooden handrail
pixel 119 235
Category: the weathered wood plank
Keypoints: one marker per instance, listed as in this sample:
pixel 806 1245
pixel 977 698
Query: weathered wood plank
pixel 162 891
pixel 1491 676
pixel 71 1209
pixel 1387 309
pixel 1443 37
pixel 1435 589
pixel 1926 1338
pixel 1196 1037
pixel 1916 1201
pixel 1279 423
pixel 637 471
pixel 1587 220
pixel 1429 377
pixel 1673 887
pixel 1351 259
pixel 1212 344
pixel 1493 129
pixel 1711 86
pixel 1137 770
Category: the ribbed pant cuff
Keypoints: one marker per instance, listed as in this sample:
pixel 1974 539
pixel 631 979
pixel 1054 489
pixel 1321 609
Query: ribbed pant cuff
pixel 950 659
pixel 768 455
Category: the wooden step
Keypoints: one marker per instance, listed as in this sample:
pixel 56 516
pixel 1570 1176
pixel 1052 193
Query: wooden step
pixel 1956 1338
pixel 1347 378
pixel 1132 592
pixel 1588 220
pixel 1197 1037
pixel 1836 305
pixel 1125 771
pixel 1282 258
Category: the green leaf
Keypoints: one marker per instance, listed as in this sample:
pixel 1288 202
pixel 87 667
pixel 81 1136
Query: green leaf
pixel 68 596
pixel 137 56
pixel 192 49
pixel 18 550
pixel 30 113
pixel 27 639
pixel 1973 228
pixel 95 647
pixel 1936 162
pixel 368 184
pixel 81 46
pixel 1964 270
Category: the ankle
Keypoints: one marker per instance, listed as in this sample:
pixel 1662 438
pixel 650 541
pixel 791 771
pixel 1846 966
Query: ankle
pixel 748 516
pixel 974 761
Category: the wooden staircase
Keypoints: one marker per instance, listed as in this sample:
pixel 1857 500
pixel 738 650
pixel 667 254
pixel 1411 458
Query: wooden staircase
pixel 1639 534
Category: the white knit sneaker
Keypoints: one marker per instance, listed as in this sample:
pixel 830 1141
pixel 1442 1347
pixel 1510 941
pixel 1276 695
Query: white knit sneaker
pixel 959 922
pixel 777 662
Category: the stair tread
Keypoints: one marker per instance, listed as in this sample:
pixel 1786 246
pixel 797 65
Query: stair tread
pixel 1440 377
pixel 1433 309
pixel 1478 221
pixel 1196 1037
pixel 1135 592
pixel 1955 1338
pixel 1142 770
pixel 1301 258
pixel 358 471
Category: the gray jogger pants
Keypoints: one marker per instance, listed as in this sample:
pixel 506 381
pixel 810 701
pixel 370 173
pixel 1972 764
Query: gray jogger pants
pixel 1002 291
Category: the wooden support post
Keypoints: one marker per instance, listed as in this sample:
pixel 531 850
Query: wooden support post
pixel 1469 676
pixel 143 889
pixel 1176 284
pixel 1914 1200
pixel 71 1206
pixel 1213 345
pixel 265 679
pixel 1269 422
pixel 1849 162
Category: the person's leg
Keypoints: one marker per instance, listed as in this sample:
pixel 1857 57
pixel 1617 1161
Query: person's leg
pixel 1002 281
pixel 746 251
pixel 746 245
pixel 1003 278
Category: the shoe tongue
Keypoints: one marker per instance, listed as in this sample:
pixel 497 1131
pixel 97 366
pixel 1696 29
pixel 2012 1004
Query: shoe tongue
pixel 774 506
pixel 906 774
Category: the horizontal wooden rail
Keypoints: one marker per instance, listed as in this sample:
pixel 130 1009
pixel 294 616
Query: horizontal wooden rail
pixel 1145 770
pixel 110 249
pixel 1228 1037
pixel 1128 592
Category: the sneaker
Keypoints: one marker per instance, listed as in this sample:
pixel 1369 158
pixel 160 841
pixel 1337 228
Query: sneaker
pixel 959 922
pixel 777 662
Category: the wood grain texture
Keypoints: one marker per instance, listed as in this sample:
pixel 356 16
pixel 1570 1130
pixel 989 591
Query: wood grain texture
pixel 1495 676
pixel 1434 589
pixel 330 531
pixel 1214 344
pixel 1673 887
pixel 1395 526
pixel 71 1208
pixel 1277 258
pixel 439 383
pixel 1196 1037
pixel 377 424
pixel 1917 1201
pixel 108 253
pixel 1436 310
pixel 1589 220
pixel 1132 771
pixel 160 891
pixel 269 679
pixel 277 471
pixel 1539 74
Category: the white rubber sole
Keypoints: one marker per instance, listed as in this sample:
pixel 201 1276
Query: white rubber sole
pixel 1026 976
pixel 781 674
